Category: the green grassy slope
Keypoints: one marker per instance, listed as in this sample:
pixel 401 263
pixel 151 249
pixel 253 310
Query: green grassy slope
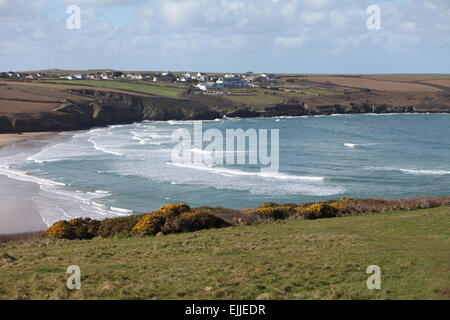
pixel 290 259
pixel 164 90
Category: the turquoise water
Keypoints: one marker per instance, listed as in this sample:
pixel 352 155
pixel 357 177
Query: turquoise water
pixel 127 169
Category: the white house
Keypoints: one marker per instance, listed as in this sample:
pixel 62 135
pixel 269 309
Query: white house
pixel 82 76
pixel 204 86
pixel 202 77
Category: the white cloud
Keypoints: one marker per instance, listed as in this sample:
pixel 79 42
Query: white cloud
pixel 290 42
pixel 312 17
pixel 103 3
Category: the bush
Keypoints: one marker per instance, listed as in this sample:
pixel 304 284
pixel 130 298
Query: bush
pixel 80 229
pixel 193 221
pixel 60 230
pixel 317 211
pixel 340 206
pixel 174 210
pixel 269 205
pixel 273 213
pixel 149 224
pixel 115 226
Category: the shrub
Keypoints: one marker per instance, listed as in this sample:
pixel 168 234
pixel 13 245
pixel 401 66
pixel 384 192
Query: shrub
pixel 193 221
pixel 233 217
pixel 273 213
pixel 81 228
pixel 340 206
pixel 174 210
pixel 60 230
pixel 317 211
pixel 115 226
pixel 269 205
pixel 149 224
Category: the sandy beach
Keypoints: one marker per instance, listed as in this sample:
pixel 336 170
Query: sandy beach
pixel 17 211
pixel 6 138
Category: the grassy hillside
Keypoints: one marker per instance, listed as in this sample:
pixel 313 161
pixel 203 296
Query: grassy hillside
pixel 290 259
pixel 164 90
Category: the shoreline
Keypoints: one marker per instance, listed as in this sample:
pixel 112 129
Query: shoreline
pixel 20 210
pixel 18 213
pixel 12 138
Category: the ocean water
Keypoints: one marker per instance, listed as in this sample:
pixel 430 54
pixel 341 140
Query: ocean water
pixel 127 169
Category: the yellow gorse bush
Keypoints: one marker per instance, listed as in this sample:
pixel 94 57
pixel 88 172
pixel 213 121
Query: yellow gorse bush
pixel 174 210
pixel 272 212
pixel 80 228
pixel 342 207
pixel 150 224
pixel 269 205
pixel 60 230
pixel 317 211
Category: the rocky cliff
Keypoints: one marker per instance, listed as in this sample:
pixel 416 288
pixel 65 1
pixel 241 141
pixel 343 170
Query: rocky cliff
pixel 109 108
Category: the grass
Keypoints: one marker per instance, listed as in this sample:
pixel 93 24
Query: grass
pixel 289 259
pixel 264 97
pixel 165 90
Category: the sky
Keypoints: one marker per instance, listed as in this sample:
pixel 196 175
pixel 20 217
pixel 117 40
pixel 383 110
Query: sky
pixel 277 36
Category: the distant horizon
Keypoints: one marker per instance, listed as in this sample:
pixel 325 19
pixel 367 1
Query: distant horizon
pixel 223 72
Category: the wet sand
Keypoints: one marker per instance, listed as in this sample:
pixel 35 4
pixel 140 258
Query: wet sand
pixel 18 213
pixel 6 138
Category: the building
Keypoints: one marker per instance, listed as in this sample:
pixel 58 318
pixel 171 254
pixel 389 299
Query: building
pixel 204 86
pixel 165 77
pixel 231 82
pixel 202 77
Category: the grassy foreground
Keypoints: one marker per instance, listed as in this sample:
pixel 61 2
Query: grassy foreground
pixel 289 259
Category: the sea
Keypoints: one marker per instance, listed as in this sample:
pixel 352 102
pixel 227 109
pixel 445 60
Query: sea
pixel 129 169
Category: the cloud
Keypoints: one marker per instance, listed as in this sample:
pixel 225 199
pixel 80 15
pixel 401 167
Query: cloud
pixel 312 17
pixel 103 3
pixel 290 42
pixel 33 32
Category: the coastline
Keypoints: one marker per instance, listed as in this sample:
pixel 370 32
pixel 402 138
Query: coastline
pixel 12 138
pixel 20 216
pixel 18 213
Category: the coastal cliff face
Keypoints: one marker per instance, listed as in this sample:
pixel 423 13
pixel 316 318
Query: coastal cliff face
pixel 106 108
pixel 111 108
pixel 305 110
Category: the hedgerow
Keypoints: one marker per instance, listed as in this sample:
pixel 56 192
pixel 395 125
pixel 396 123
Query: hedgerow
pixel 177 218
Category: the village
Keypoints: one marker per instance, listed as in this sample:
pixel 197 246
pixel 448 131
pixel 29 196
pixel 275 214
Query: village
pixel 200 81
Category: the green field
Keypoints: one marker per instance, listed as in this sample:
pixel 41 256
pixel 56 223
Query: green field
pixel 165 90
pixel 264 97
pixel 289 259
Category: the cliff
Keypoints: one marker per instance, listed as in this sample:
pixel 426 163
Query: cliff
pixel 110 108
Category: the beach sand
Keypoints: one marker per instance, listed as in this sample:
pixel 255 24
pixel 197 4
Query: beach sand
pixel 6 138
pixel 18 213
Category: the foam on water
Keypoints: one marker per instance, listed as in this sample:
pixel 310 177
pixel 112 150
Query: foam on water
pixel 55 202
pixel 425 172
pixel 235 172
pixel 317 160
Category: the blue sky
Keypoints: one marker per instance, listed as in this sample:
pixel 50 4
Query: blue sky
pixel 290 36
